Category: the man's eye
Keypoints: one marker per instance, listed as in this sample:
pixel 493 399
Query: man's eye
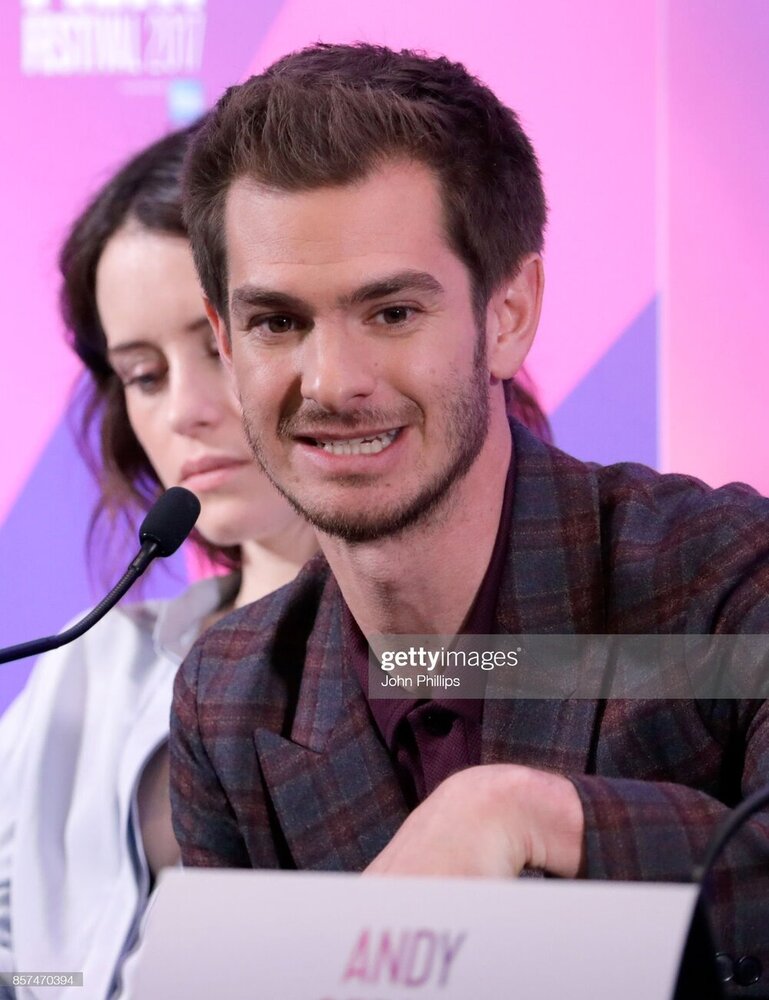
pixel 274 324
pixel 395 315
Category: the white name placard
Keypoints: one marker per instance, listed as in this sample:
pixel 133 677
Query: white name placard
pixel 245 935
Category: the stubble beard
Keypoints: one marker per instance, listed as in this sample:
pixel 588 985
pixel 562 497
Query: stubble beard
pixel 467 426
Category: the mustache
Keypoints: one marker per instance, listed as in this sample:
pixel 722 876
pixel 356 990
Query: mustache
pixel 311 417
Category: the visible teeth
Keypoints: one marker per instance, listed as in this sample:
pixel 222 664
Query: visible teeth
pixel 359 446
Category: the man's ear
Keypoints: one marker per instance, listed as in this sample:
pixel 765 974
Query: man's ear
pixel 222 334
pixel 512 317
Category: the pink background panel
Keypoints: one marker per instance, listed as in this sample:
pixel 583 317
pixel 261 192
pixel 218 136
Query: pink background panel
pixel 651 123
pixel 715 343
pixel 62 137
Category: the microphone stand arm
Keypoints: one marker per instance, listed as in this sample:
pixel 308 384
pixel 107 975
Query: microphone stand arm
pixel 142 560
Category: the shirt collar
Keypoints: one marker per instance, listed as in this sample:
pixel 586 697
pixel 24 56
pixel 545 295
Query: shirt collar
pixel 176 624
pixel 388 712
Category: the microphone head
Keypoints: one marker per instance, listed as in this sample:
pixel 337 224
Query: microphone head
pixel 170 519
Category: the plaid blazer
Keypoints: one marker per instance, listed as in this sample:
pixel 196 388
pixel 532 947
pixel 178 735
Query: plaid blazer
pixel 276 761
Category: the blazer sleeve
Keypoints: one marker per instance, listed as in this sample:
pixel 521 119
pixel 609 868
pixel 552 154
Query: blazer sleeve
pixel 204 821
pixel 660 831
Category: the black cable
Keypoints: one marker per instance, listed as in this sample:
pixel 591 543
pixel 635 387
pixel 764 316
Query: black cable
pixel 728 827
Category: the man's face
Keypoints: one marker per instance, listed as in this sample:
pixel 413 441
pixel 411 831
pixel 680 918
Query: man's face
pixel 354 346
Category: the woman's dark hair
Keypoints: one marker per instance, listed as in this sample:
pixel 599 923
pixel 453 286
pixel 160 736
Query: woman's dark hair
pixel 146 190
pixel 522 404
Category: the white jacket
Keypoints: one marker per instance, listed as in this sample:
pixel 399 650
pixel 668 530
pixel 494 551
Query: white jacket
pixel 73 876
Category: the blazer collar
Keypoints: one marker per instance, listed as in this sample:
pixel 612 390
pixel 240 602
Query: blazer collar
pixel 332 784
pixel 552 583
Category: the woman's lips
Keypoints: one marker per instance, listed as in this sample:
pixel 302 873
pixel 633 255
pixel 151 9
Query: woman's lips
pixel 209 472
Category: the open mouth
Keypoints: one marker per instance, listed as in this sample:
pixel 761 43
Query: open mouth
pixel 369 445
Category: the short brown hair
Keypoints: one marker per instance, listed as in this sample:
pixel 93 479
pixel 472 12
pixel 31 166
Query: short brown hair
pixel 329 114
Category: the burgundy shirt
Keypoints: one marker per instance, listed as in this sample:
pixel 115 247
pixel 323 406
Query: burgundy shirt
pixel 431 739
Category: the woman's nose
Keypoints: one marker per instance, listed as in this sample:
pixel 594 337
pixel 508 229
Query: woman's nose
pixel 196 399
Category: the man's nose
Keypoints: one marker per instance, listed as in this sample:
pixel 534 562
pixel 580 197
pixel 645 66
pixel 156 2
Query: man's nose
pixel 338 367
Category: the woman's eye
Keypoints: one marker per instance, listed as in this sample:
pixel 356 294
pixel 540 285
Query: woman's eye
pixel 144 382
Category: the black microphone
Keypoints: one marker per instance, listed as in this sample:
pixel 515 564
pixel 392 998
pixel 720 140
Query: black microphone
pixel 161 533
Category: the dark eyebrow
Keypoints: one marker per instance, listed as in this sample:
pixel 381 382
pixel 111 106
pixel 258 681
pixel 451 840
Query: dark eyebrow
pixel 250 296
pixel 130 347
pixel 393 284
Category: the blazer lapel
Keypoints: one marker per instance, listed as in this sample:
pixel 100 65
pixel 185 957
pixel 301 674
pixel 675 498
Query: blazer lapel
pixel 332 784
pixel 552 584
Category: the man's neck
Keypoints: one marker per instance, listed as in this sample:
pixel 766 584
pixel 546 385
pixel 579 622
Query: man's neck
pixel 424 579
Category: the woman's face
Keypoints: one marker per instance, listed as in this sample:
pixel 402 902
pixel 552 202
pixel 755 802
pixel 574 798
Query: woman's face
pixel 179 400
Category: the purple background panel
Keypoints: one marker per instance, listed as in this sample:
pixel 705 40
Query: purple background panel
pixel 45 581
pixel 611 416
